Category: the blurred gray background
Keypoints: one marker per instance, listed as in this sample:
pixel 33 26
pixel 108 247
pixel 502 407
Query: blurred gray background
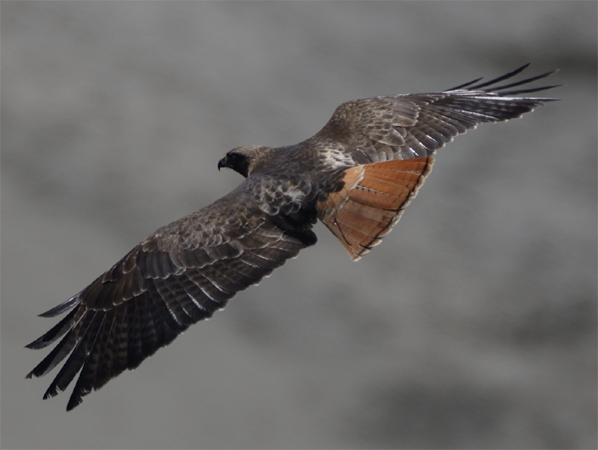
pixel 473 325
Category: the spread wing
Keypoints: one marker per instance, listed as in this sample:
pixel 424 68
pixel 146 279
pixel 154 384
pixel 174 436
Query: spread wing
pixel 387 143
pixel 416 125
pixel 181 274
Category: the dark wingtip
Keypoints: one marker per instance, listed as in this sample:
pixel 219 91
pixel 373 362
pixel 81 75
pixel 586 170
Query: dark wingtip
pixel 61 308
pixel 530 90
pixel 502 77
pixel 40 342
pixel 55 332
pixel 33 346
pixel 490 86
pixel 516 83
pixel 52 391
pixel 73 402
pixel 464 85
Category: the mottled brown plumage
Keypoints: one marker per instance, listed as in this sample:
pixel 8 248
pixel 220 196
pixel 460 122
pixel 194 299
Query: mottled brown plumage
pixel 356 175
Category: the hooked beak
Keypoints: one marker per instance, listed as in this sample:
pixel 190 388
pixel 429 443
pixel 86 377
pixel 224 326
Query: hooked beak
pixel 222 163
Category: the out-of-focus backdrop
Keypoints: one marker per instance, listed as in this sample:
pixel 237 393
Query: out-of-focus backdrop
pixel 473 325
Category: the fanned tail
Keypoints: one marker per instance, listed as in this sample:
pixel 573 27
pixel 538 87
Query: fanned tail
pixel 371 201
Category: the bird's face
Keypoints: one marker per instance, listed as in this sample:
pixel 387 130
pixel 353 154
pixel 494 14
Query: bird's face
pixel 236 161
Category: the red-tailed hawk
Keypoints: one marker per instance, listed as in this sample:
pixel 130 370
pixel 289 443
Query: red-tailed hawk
pixel 356 175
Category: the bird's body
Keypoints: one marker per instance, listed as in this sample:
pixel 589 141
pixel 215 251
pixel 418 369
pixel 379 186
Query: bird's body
pixel 356 175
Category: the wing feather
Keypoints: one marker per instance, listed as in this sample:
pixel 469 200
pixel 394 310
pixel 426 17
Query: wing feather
pixel 181 274
pixel 415 125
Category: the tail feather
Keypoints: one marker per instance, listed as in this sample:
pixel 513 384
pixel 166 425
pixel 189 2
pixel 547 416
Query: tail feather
pixel 371 201
pixel 367 226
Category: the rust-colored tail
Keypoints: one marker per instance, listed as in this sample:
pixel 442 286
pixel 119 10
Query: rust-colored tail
pixel 371 201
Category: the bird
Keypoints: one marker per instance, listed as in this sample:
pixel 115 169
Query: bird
pixel 356 175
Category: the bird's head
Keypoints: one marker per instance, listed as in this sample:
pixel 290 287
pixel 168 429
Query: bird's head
pixel 243 159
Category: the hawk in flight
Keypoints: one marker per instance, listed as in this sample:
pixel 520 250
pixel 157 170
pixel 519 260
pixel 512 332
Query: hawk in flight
pixel 356 175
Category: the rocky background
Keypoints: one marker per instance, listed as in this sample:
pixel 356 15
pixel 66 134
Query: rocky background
pixel 472 326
